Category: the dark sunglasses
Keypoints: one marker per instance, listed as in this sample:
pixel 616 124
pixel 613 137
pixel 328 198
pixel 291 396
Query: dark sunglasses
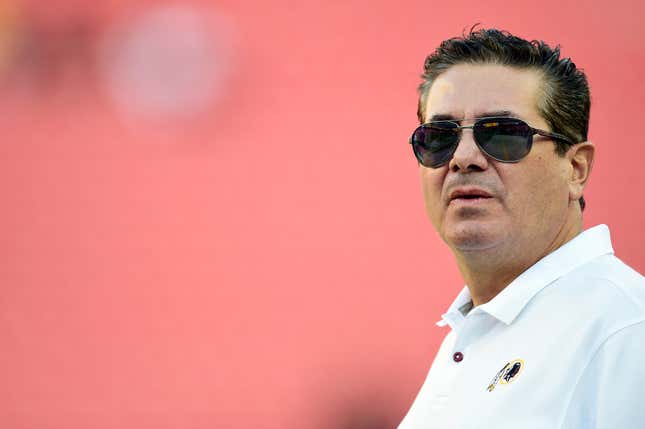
pixel 504 139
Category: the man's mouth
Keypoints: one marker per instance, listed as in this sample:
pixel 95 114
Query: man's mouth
pixel 469 195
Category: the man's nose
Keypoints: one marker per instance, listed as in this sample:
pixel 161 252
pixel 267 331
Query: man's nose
pixel 468 157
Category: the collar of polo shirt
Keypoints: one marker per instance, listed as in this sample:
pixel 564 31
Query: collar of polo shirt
pixel 510 302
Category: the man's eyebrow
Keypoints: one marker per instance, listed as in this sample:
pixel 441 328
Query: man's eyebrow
pixel 491 114
pixel 497 114
pixel 443 117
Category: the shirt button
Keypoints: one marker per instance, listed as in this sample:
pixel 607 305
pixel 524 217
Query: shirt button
pixel 458 357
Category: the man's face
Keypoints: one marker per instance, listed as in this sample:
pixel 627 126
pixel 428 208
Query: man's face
pixel 528 200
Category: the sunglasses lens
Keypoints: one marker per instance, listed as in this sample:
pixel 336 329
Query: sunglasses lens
pixel 435 144
pixel 505 139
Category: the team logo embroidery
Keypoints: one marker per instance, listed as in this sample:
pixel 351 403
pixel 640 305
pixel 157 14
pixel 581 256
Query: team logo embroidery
pixel 508 374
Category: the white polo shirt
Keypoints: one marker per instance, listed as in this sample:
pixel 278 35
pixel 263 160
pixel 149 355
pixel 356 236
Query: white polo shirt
pixel 562 346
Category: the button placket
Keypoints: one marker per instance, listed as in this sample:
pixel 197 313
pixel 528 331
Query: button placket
pixel 465 336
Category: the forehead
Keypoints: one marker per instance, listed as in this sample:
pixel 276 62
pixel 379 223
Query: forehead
pixel 474 90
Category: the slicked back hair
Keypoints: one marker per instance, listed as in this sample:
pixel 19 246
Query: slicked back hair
pixel 564 101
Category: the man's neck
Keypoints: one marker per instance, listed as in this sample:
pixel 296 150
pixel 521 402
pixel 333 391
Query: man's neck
pixel 488 272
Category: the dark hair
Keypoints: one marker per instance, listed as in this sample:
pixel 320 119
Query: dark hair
pixel 564 102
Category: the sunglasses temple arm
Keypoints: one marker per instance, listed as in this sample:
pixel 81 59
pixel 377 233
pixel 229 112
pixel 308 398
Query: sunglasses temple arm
pixel 555 136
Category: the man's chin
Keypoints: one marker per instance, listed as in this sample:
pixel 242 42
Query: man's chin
pixel 471 238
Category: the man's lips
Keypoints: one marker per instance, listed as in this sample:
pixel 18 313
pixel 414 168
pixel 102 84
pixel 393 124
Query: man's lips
pixel 469 195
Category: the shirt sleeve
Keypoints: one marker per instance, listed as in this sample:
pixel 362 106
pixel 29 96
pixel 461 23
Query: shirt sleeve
pixel 428 405
pixel 609 393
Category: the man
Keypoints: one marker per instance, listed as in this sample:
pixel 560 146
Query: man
pixel 550 330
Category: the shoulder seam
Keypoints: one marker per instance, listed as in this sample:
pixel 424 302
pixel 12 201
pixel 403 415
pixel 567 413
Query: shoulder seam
pixel 635 302
pixel 591 358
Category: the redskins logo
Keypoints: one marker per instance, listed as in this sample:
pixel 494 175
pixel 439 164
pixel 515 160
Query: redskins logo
pixel 508 374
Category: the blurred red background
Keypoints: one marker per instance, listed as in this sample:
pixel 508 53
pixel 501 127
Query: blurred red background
pixel 211 215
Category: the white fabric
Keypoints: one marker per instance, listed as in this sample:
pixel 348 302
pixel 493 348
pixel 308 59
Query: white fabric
pixel 574 323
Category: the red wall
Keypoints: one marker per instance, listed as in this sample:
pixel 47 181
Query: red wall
pixel 266 261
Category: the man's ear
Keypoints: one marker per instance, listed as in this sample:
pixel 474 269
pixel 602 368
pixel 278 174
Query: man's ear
pixel 580 156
